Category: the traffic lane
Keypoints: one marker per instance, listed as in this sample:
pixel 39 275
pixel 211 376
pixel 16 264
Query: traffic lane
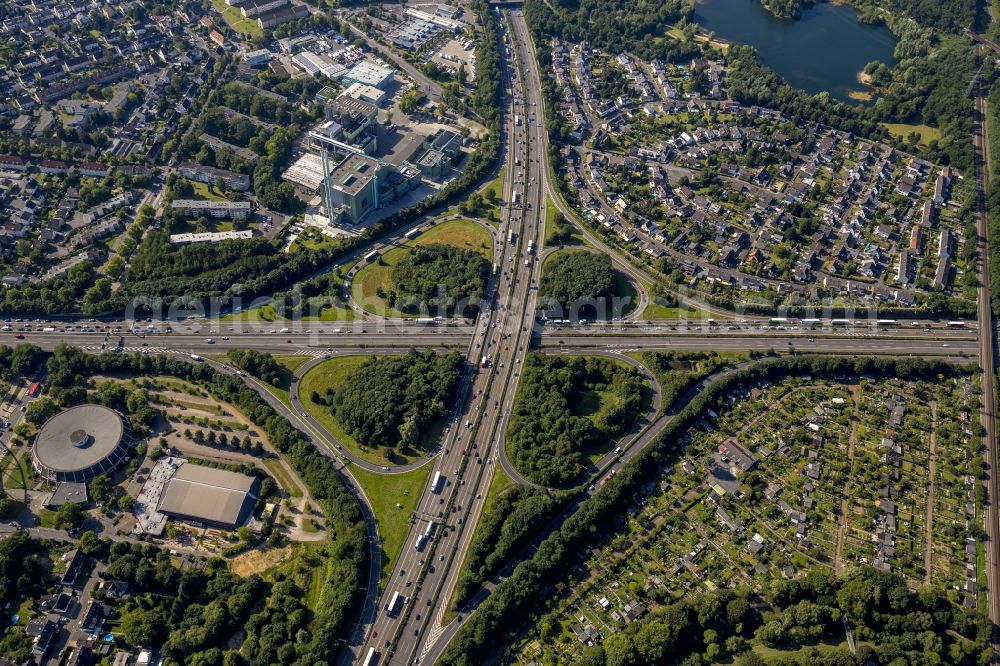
pixel 849 346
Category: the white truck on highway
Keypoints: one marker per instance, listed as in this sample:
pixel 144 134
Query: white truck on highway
pixel 438 482
pixel 395 604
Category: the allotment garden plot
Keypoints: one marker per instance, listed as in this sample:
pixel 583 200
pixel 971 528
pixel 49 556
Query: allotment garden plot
pixel 791 477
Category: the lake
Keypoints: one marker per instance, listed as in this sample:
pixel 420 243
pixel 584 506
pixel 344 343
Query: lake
pixel 824 50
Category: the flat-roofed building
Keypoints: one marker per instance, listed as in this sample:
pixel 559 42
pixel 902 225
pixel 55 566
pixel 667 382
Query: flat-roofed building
pixel 257 58
pixel 354 185
pixel 211 236
pixel 369 94
pixel 214 497
pixel 258 7
pixel 211 175
pixel 282 15
pixel 370 73
pixel 197 207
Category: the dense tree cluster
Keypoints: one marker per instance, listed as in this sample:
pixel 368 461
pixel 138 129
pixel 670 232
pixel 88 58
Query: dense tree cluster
pixel 347 547
pixel 573 277
pixel 248 102
pixel 639 26
pixel 25 570
pixel 503 530
pixel 894 624
pixel 191 612
pixel 19 361
pixel 392 401
pixel 24 567
pixel 548 435
pixel 784 8
pixel 59 294
pixel 259 364
pixel 162 269
pixel 950 15
pixel 516 602
pixel 233 129
pixel 438 277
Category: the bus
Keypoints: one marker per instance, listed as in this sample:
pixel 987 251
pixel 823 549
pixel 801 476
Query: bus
pixel 840 322
pixel 424 321
pixel 531 246
pixel 438 482
pixel 711 322
pixel 421 542
pixel 412 233
pixel 371 256
pixel 512 237
pixel 810 322
pixel 485 362
pixel 956 324
pixel 886 322
pixel 777 320
pixel 517 120
pixel 517 199
pixel 35 389
pixel 395 603
pixel 431 528
pixel 371 658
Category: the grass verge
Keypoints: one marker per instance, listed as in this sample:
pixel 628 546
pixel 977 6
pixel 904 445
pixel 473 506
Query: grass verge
pixel 370 279
pixel 394 498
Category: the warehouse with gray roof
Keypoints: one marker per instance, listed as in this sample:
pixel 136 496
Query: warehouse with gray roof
pixel 212 497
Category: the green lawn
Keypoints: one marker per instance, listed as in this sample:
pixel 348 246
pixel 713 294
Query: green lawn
pixel 282 476
pixel 492 215
pixel 394 498
pixel 236 21
pixel 926 132
pixel 312 238
pixel 47 518
pixel 319 379
pixel 206 192
pixel 499 484
pixel 377 275
pixel 656 312
pixel 17 472
pixel 262 313
pixel 209 225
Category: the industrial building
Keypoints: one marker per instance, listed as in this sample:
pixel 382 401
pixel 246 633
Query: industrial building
pixel 81 442
pixel 369 94
pixel 414 34
pixel 361 184
pixel 369 73
pixel 212 497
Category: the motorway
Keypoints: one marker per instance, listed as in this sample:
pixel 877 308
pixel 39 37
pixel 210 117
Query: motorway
pixel 426 577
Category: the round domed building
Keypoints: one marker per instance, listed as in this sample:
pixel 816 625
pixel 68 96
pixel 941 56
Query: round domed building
pixel 81 442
